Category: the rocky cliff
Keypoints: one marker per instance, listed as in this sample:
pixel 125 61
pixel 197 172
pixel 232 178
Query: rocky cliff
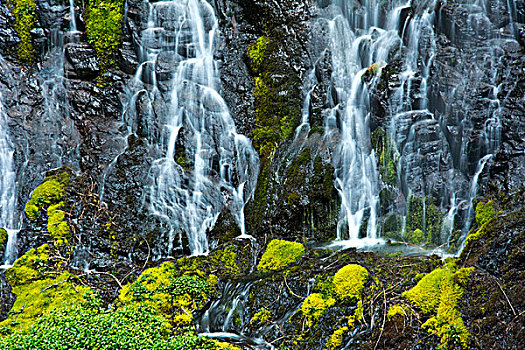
pixel 142 133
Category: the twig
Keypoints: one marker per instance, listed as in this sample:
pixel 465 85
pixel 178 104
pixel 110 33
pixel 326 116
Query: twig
pixel 384 320
pixel 287 286
pixel 506 297
pixel 514 319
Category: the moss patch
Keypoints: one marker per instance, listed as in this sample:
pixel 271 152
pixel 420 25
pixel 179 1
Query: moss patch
pixel 25 13
pixel 437 294
pixel 36 292
pixel 51 191
pixel 484 212
pixel 280 254
pixel 349 282
pixel 261 317
pixel 172 296
pixel 104 30
pixel 51 194
pixel 315 306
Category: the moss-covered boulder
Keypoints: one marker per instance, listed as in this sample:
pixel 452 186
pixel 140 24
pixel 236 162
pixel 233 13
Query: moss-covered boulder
pixel 280 254
pixel 38 291
pixel 349 282
pixel 438 294
pixel 172 296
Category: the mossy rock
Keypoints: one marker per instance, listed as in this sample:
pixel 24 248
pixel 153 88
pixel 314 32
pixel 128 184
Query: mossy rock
pixel 315 306
pixel 438 294
pixel 51 191
pixel 349 282
pixel 173 297
pixel 484 212
pixel 280 254
pixel 37 293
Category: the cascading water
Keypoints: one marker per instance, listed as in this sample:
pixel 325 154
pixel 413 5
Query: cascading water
pixel 427 153
pixel 205 164
pixel 9 217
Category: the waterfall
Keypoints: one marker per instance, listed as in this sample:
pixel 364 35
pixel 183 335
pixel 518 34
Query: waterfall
pixel 9 217
pixel 205 165
pixel 429 147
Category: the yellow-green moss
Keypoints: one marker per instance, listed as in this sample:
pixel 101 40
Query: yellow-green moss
pixel 24 12
pixel 3 237
pixel 315 306
pixel 336 339
pixel 425 295
pixel 261 317
pixel 395 311
pixel 280 254
pixel 50 194
pixel 104 30
pixel 28 267
pixel 356 317
pixel 172 296
pixel 256 52
pixel 223 262
pixel 437 294
pixel 51 191
pixel 57 225
pixel 349 282
pixel 37 294
pixel 484 212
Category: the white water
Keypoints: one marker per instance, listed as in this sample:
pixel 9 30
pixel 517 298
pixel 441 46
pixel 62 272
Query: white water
pixel 362 33
pixel 9 217
pixel 219 167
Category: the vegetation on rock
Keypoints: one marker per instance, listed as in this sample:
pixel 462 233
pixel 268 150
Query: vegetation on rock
pixel 25 12
pixel 50 194
pixel 280 254
pixel 38 291
pixel 438 294
pixel 104 30
pixel 85 328
pixel 349 283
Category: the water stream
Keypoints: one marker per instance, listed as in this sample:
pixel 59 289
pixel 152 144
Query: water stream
pixel 365 36
pixel 205 165
pixel 9 216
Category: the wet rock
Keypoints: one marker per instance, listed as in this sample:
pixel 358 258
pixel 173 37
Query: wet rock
pixel 83 61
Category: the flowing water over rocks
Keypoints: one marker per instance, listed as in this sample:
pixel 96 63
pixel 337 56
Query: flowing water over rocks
pixel 391 122
pixel 205 165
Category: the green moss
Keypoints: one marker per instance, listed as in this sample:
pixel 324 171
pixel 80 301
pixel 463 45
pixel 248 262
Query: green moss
pixel 349 282
pixel 173 297
pixel 24 12
pixel 3 237
pixel 98 328
pixel 315 306
pixel 36 293
pixel 280 254
pixel 417 237
pixel 104 30
pixel 222 261
pixel 437 294
pixel 50 194
pixel 261 317
pixel 257 52
pixel 424 215
pixel 226 260
pixel 396 311
pixel 484 212
pixel 29 267
pixel 51 191
pixel 336 339
pixel 57 225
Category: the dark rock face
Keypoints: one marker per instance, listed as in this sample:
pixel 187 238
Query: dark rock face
pixel 58 116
